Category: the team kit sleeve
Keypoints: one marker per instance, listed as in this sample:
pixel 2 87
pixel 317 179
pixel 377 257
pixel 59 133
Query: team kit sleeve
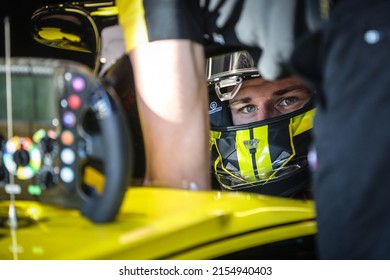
pixel 145 21
pixel 266 25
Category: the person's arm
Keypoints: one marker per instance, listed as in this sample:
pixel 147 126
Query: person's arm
pixel 164 42
pixel 172 100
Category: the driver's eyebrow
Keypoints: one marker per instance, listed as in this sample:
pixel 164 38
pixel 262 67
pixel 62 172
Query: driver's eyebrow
pixel 279 92
pixel 290 88
pixel 245 100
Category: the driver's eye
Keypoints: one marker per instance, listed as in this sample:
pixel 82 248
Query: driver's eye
pixel 249 109
pixel 288 101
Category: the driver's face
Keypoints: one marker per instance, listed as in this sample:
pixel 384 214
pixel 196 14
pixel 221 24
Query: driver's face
pixel 259 99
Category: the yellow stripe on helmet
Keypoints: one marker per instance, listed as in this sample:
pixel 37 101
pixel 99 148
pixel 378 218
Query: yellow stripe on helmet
pixel 302 123
pixel 245 147
pixel 213 136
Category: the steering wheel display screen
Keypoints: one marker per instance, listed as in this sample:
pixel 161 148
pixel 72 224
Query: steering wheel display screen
pixel 27 127
pixel 33 104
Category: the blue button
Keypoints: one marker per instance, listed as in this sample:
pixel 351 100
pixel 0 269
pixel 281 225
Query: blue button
pixel 69 119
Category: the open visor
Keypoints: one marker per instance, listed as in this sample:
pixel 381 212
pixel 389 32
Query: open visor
pixel 228 71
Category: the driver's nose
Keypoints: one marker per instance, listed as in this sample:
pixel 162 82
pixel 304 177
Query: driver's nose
pixel 265 111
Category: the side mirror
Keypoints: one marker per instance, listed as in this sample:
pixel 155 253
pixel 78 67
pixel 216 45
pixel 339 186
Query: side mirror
pixel 74 26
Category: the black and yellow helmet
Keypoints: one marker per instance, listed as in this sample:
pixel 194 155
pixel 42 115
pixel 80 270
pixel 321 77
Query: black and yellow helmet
pixel 268 156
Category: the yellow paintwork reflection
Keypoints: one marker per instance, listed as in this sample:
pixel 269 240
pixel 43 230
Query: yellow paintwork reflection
pixel 52 34
pixel 105 11
pixel 156 223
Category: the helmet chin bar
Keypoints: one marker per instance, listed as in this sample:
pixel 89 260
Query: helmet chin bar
pixel 233 81
pixel 266 157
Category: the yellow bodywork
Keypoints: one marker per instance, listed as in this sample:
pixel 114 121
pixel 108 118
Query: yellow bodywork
pixel 156 223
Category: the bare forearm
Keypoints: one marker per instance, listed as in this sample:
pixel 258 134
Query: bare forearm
pixel 173 111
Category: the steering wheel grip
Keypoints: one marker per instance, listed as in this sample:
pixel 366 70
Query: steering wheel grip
pixel 115 149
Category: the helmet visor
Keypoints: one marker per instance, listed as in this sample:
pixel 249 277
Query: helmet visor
pixel 228 71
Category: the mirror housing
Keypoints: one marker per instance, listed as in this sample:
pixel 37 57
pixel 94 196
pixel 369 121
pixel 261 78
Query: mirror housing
pixel 74 26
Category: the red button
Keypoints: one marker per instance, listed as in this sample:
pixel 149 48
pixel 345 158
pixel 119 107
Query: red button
pixel 74 101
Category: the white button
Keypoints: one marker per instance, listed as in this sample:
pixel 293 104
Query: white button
pixel 13 189
pixel 372 37
pixel 68 156
pixel 67 175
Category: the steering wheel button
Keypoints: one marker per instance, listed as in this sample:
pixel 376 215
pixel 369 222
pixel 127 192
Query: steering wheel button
pixel 68 156
pixel 67 138
pixel 78 84
pixel 69 119
pixel 13 189
pixel 67 175
pixel 74 101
